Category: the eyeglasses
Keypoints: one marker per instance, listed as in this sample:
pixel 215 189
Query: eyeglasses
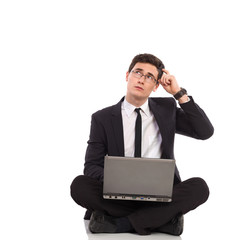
pixel 148 77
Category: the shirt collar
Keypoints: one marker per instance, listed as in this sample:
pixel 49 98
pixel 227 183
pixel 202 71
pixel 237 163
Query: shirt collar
pixel 129 108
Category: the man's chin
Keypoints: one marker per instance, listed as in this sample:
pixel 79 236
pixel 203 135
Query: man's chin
pixel 140 97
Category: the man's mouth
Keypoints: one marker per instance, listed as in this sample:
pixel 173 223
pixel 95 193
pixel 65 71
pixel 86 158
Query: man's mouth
pixel 139 88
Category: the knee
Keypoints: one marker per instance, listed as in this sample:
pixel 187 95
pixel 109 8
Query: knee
pixel 85 189
pixel 201 190
pixel 77 187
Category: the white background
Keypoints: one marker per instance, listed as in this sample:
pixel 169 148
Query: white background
pixel 60 61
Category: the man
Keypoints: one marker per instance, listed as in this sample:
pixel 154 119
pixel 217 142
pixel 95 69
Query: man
pixel 113 133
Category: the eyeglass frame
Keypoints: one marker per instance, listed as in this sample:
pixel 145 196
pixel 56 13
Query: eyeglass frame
pixel 140 75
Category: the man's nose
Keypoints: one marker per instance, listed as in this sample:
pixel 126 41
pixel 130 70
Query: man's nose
pixel 141 79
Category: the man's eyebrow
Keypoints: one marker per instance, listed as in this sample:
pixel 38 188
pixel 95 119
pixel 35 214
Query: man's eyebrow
pixel 139 69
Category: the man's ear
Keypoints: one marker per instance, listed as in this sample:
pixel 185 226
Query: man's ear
pixel 127 73
pixel 156 87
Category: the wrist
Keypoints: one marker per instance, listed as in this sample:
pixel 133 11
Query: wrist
pixel 183 99
pixel 176 91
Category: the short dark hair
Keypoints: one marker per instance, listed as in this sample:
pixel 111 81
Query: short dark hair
pixel 148 58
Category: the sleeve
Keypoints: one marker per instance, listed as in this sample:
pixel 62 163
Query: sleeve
pixel 192 121
pixel 96 150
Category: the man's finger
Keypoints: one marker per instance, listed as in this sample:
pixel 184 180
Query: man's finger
pixel 166 71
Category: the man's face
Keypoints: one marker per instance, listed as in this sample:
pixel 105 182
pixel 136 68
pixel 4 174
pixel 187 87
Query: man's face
pixel 141 88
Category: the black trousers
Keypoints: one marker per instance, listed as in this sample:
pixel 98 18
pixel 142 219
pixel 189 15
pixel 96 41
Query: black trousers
pixel 144 216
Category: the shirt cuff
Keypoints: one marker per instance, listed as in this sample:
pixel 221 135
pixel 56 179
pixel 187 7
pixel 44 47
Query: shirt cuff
pixel 186 101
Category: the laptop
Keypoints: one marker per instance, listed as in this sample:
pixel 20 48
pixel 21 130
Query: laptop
pixel 139 179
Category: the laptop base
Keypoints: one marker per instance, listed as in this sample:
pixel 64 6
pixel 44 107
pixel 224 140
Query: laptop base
pixel 137 198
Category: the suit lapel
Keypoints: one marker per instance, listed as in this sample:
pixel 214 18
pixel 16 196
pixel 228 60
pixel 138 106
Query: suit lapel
pixel 157 111
pixel 118 127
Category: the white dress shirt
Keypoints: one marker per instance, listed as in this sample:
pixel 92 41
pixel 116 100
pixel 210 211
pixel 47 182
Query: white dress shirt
pixel 151 136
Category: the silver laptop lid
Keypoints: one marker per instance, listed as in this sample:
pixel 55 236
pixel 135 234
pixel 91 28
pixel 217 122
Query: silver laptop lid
pixel 129 178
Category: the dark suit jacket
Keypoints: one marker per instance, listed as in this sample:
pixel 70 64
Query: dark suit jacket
pixel 106 135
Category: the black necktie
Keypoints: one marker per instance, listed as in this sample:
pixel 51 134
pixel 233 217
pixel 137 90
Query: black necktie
pixel 138 134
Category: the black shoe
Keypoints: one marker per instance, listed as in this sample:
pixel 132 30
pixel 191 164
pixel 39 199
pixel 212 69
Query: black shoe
pixel 101 223
pixel 174 227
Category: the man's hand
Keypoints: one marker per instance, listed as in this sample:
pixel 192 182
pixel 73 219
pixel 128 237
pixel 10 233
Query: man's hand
pixel 169 82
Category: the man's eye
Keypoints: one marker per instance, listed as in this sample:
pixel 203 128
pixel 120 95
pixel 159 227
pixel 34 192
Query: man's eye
pixel 149 77
pixel 138 73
